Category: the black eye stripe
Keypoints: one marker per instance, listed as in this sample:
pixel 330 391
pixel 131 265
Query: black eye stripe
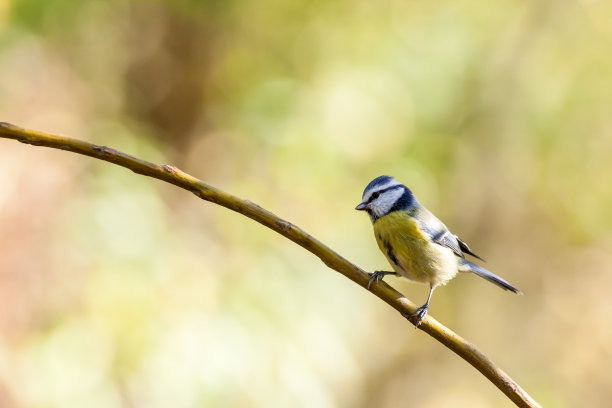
pixel 377 194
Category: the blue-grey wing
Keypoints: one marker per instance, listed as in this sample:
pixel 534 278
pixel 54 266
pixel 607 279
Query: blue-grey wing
pixel 449 240
pixel 438 233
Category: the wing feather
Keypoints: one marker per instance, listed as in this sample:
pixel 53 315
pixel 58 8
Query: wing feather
pixel 439 233
pixel 447 239
pixel 465 248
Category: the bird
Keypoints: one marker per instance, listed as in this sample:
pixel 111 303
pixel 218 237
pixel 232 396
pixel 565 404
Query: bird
pixel 416 243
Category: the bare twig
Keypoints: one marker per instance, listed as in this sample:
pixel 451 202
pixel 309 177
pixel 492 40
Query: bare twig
pixel 170 174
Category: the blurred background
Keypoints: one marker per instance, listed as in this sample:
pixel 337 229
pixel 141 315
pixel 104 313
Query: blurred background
pixel 121 291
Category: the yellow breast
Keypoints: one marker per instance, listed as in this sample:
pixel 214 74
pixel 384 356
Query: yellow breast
pixel 411 253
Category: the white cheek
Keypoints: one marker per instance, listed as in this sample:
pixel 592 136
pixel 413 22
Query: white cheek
pixel 384 203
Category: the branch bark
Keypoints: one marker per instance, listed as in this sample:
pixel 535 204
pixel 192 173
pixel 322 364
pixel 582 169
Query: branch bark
pixel 393 298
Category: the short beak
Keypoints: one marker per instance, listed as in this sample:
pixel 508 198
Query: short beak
pixel 361 206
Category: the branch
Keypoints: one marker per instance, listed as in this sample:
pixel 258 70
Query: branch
pixel 393 298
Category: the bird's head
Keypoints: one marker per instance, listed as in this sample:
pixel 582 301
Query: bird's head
pixel 384 195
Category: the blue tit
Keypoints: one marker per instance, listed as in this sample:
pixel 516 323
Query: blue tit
pixel 417 244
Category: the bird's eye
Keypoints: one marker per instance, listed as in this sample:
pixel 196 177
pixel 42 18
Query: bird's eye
pixel 375 196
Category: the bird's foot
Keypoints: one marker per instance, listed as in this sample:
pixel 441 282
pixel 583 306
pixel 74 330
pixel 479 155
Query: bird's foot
pixel 377 276
pixel 420 314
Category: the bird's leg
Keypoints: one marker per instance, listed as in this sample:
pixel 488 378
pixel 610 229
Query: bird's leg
pixel 377 276
pixel 421 312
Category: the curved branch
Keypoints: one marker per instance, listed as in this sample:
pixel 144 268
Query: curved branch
pixel 173 175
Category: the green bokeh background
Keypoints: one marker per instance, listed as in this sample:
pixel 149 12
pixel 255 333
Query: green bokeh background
pixel 120 291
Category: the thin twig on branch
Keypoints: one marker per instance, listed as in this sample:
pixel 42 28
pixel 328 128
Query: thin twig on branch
pixel 173 175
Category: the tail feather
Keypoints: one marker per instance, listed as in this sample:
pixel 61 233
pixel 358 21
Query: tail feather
pixel 467 266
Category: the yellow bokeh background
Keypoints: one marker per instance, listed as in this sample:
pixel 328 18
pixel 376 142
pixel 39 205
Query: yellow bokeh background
pixel 117 290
